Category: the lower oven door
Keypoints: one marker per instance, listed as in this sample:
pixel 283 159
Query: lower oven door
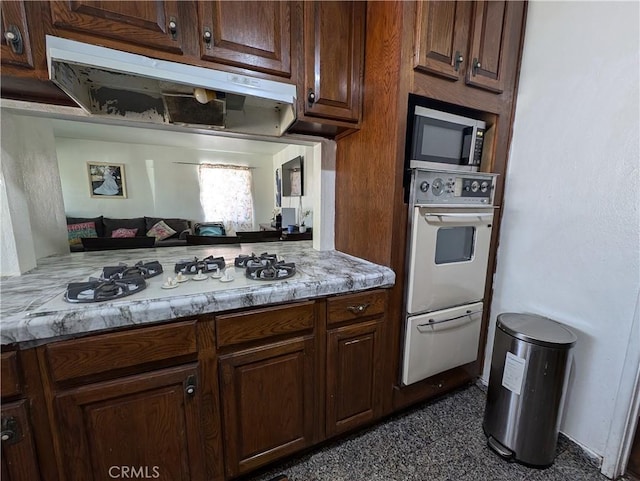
pixel 439 341
pixel 448 255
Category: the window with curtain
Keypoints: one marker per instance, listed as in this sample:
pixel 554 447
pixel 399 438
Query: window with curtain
pixel 225 195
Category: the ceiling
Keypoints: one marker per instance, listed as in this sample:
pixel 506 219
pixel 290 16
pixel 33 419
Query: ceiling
pixel 207 141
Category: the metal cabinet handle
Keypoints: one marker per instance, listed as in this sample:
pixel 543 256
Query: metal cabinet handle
pixel 476 65
pixel 9 433
pixel 458 60
pixel 14 39
pixel 173 28
pixel 359 308
pixel 207 36
pixel 311 98
pixel 190 386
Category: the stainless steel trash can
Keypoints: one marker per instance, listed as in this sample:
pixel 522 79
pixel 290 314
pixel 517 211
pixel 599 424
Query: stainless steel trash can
pixel 529 373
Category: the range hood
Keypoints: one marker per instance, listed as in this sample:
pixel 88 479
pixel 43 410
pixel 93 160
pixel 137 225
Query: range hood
pixel 107 82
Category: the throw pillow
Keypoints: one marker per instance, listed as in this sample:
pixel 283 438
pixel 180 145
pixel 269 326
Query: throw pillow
pixel 160 231
pixel 122 232
pixel 82 229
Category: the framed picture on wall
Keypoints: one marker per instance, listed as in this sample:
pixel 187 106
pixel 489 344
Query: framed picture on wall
pixel 107 180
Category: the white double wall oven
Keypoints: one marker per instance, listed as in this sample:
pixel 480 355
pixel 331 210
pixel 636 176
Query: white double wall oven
pixel 450 223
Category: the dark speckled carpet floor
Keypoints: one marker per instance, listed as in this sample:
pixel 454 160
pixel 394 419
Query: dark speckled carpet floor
pixel 440 440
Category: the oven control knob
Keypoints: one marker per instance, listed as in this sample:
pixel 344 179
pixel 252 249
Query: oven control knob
pixel 475 185
pixel 437 187
pixel 424 186
pixel 484 186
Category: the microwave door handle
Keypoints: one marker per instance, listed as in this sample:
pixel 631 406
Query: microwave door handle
pixel 424 327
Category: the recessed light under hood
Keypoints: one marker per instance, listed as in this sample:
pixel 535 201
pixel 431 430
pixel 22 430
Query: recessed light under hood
pixel 108 82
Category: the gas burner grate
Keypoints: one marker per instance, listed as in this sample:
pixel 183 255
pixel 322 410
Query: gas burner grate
pixel 144 269
pixel 208 264
pixel 272 271
pixel 99 290
pixel 254 260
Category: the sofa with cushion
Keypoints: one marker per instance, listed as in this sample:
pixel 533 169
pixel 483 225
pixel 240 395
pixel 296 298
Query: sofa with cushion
pixel 105 233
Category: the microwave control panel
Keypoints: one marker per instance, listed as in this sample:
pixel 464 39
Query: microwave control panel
pixel 452 188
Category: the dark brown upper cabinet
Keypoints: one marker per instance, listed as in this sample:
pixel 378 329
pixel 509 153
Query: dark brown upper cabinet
pixel 152 24
pixel 253 35
pixel 442 30
pixel 470 40
pixel 16 43
pixel 333 60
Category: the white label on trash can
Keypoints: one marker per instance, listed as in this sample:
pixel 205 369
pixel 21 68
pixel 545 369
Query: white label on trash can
pixel 513 373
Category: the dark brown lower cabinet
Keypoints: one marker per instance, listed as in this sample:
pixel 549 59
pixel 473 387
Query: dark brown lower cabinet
pixel 353 376
pixel 19 460
pixel 268 403
pixel 145 426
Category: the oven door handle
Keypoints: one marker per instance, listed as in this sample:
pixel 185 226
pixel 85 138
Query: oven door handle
pixel 458 217
pixel 424 327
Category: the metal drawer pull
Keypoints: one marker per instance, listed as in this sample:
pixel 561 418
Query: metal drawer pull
pixel 358 309
pixel 433 322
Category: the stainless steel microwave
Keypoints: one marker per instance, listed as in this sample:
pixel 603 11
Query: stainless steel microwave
pixel 445 141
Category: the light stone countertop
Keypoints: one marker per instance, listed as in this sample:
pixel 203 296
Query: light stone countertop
pixel 32 308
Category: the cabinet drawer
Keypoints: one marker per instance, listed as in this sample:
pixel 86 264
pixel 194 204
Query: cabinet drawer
pixel 355 306
pixel 264 323
pixel 118 350
pixel 11 385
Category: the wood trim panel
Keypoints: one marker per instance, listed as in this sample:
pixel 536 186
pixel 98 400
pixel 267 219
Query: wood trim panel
pixel 106 352
pixel 264 323
pixel 355 306
pixel 210 398
pixel 11 384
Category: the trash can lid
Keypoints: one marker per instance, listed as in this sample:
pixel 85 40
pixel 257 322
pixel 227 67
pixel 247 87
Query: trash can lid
pixel 537 330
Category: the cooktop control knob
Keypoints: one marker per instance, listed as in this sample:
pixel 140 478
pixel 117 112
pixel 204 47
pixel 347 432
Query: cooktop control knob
pixel 484 186
pixel 475 185
pixel 438 186
pixel 424 186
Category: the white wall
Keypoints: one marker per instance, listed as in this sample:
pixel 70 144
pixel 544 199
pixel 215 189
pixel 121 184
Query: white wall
pixel 161 181
pixel 309 171
pixel 570 239
pixel 33 224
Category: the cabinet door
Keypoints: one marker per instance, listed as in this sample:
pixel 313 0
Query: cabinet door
pixel 442 30
pixel 19 461
pixel 333 60
pixel 353 367
pixel 16 44
pixel 255 35
pixel 152 23
pixel 491 36
pixel 148 423
pixel 268 405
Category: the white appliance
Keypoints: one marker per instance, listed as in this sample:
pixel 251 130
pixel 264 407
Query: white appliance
pixel 442 140
pixel 450 223
pixel 121 85
pixel 439 341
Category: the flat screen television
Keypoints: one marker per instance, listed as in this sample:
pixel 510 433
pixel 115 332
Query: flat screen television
pixel 293 178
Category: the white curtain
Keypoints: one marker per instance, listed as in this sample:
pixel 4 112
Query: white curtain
pixel 225 195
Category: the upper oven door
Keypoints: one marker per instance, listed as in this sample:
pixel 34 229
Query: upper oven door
pixel 448 257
